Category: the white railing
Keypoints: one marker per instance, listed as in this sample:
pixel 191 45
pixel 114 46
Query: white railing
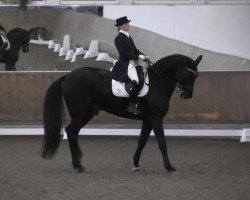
pixel 126 2
pixel 227 2
pixel 163 2
pixel 191 2
pixel 87 2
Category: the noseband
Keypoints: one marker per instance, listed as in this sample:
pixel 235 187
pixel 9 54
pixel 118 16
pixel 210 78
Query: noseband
pixel 180 88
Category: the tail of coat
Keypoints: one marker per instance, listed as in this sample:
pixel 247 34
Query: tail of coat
pixel 52 118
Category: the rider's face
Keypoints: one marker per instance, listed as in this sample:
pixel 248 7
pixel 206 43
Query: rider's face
pixel 125 27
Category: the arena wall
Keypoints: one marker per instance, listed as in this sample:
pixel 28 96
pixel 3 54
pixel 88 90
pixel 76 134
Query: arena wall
pixel 221 93
pixel 219 97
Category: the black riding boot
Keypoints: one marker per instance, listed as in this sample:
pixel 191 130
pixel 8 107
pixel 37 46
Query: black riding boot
pixel 134 105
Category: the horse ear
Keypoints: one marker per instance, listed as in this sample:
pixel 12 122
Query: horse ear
pixel 30 31
pixel 198 60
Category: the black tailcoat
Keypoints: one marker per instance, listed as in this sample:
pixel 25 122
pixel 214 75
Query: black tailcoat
pixel 127 51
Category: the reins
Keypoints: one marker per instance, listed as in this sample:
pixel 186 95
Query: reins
pixel 177 88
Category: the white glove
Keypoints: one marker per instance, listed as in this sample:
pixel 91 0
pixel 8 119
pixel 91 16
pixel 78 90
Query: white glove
pixel 147 57
pixel 143 57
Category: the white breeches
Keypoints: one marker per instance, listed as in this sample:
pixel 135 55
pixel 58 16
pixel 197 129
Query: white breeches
pixel 132 73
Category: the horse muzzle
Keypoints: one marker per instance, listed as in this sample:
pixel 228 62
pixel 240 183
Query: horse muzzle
pixel 186 94
pixel 25 50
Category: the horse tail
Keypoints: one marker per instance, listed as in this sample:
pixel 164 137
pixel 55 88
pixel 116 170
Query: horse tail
pixel 52 118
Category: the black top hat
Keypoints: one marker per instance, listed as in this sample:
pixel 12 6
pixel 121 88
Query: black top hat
pixel 122 20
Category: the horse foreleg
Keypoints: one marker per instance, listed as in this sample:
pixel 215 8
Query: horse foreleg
pixel 159 134
pixel 145 132
pixel 10 67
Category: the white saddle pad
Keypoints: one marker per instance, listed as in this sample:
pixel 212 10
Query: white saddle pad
pixel 118 88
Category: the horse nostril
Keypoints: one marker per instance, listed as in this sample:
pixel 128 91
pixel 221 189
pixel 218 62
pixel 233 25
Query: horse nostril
pixel 190 95
pixel 186 95
pixel 5 46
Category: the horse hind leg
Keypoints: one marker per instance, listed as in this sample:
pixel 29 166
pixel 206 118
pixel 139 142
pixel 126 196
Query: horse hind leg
pixel 145 132
pixel 72 131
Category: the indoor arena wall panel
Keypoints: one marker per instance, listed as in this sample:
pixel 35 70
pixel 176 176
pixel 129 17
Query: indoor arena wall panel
pixel 219 97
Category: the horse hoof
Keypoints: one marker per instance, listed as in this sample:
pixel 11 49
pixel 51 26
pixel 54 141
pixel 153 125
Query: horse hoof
pixel 171 169
pixel 80 169
pixel 136 169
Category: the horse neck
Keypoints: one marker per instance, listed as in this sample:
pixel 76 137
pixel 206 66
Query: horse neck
pixel 165 76
pixel 15 43
pixel 16 37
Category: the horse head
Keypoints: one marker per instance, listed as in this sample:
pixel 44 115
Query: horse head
pixel 26 37
pixel 186 75
pixel 4 42
pixel 25 42
pixel 19 38
pixel 178 71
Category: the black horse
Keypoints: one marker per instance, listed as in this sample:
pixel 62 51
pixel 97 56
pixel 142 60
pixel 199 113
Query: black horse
pixel 88 90
pixel 4 42
pixel 18 38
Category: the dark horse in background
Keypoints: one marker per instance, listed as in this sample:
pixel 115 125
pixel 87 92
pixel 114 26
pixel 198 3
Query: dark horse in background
pixel 18 38
pixel 88 90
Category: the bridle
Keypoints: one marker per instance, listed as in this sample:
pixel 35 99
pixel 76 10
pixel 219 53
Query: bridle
pixel 178 88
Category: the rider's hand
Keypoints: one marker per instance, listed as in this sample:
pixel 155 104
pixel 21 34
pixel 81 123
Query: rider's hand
pixel 147 57
pixel 143 57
